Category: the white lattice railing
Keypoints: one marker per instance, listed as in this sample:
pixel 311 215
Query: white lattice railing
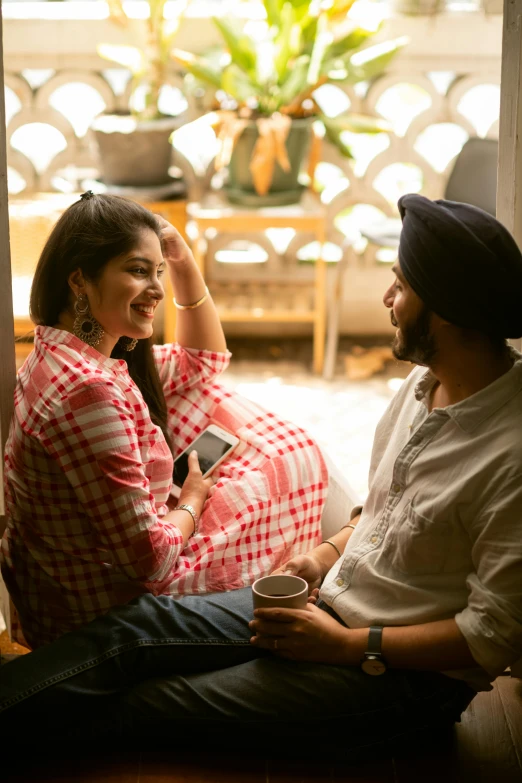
pixel 442 89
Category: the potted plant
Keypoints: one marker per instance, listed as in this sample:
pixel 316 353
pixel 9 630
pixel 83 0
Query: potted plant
pixel 269 79
pixel 134 147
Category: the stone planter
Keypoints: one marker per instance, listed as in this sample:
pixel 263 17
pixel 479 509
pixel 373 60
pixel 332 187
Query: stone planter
pixel 285 187
pixel 132 153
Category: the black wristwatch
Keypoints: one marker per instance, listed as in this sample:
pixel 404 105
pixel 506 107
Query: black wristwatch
pixel 373 663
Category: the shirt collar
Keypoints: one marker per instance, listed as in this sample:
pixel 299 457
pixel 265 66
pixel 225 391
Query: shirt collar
pixel 474 410
pixel 51 336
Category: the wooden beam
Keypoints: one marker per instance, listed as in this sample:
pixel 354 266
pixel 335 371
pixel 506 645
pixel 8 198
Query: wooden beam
pixel 7 353
pixel 509 181
pixel 509 189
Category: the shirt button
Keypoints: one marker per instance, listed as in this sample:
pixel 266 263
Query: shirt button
pixel 339 582
pixel 396 487
pixel 373 539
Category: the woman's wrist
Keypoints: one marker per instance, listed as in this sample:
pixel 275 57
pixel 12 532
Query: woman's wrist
pixel 324 559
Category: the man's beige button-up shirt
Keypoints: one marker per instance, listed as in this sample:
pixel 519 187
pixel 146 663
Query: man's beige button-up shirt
pixel 440 534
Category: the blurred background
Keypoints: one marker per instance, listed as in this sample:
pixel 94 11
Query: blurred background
pixel 277 136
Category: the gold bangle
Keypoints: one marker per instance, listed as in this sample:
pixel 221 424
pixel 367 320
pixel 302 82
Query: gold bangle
pixel 194 304
pixel 327 541
pixel 344 526
pixel 191 511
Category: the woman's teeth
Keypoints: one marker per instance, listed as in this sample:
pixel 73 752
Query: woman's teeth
pixel 144 309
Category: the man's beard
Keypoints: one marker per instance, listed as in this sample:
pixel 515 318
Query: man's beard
pixel 415 343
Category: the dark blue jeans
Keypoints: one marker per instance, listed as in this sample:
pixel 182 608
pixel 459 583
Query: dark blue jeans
pixel 176 667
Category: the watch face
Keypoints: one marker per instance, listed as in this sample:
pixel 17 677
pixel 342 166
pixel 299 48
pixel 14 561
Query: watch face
pixel 373 665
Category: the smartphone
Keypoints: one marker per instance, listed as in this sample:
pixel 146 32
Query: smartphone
pixel 212 445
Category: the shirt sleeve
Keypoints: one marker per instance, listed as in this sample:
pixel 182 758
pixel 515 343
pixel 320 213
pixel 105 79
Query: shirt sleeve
pixel 181 369
pixel 92 436
pixel 492 621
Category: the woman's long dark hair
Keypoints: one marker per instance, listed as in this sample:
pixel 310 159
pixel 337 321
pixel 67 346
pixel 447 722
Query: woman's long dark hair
pixel 87 236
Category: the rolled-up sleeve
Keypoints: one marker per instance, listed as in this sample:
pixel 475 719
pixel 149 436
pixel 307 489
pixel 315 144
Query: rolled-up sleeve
pixel 492 620
pixel 181 369
pixel 93 438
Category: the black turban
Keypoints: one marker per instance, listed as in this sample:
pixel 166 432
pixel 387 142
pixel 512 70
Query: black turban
pixel 463 264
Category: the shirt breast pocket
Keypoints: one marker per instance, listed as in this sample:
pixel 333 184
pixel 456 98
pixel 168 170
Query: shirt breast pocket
pixel 418 545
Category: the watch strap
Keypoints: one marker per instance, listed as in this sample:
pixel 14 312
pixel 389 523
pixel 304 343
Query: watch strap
pixel 375 640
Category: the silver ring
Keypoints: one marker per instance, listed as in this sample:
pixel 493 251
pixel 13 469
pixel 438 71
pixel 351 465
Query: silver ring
pixel 275 643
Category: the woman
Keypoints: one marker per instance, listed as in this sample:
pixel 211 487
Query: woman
pixel 99 416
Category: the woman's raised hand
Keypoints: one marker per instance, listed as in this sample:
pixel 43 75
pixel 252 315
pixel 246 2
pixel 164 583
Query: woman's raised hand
pixel 196 327
pixel 195 488
pixel 175 249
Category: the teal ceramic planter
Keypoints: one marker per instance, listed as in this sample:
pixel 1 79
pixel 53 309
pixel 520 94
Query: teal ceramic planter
pixel 285 188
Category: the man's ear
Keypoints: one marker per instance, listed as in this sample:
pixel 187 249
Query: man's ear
pixel 437 322
pixel 76 282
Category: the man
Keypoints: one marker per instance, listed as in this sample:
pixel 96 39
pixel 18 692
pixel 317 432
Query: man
pixel 424 605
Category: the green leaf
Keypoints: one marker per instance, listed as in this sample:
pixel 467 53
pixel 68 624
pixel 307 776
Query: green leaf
pixel 240 46
pixel 308 26
pixel 273 11
pixel 333 134
pixel 199 67
pixel 322 42
pixel 347 43
pixel 365 64
pixel 236 83
pixel 375 59
pixel 339 8
pixel 283 41
pixel 295 83
pixel 356 123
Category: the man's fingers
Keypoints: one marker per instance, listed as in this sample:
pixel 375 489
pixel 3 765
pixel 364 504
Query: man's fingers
pixel 262 628
pixel 273 643
pixel 278 614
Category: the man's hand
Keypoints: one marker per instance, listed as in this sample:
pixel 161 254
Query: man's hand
pixel 302 635
pixel 307 567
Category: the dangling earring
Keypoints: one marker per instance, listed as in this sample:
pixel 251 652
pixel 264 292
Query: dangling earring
pixel 85 325
pixel 127 343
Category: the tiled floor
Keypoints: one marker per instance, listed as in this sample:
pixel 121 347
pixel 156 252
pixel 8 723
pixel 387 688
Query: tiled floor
pixel 340 414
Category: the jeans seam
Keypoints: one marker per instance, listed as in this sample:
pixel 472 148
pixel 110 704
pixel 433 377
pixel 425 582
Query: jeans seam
pixel 111 654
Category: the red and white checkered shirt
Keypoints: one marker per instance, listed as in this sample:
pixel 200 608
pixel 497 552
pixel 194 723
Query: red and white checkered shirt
pixel 88 476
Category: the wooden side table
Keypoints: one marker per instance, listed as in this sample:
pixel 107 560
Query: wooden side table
pixel 215 212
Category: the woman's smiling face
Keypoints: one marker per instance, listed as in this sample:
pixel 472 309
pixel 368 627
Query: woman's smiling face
pixel 124 298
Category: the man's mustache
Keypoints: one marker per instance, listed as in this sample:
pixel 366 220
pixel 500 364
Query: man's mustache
pixel 393 319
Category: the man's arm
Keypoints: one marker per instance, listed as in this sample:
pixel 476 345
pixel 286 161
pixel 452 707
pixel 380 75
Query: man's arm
pixel 313 635
pixel 436 646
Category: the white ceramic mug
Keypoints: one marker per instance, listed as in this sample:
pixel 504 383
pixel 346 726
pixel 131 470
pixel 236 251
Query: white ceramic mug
pixel 284 590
